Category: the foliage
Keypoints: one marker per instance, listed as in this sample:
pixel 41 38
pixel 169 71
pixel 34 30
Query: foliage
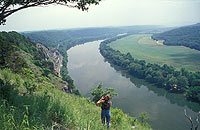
pixel 162 76
pixel 30 86
pixel 188 36
pixel 8 85
pixel 15 48
pixel 28 73
pixel 119 120
pixel 5 51
pixel 9 7
pixel 144 119
pixel 116 117
pixel 194 93
pixel 98 92
pixel 9 57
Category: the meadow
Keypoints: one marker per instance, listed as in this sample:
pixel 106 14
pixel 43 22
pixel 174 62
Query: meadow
pixel 142 47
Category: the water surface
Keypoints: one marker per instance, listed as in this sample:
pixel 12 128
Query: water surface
pixel 88 68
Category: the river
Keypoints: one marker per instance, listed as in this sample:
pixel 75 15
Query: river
pixel 88 68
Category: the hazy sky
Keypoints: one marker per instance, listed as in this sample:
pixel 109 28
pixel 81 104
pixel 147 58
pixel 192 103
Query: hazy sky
pixel 107 13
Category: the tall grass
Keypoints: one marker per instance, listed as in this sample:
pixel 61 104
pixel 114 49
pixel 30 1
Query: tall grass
pixel 50 108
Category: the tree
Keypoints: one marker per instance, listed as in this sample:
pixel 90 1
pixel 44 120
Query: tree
pixel 98 92
pixel 5 52
pixel 172 84
pixel 194 93
pixel 182 82
pixel 195 82
pixel 8 7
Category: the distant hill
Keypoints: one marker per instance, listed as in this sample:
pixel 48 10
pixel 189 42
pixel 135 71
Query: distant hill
pixel 53 37
pixel 73 36
pixel 188 36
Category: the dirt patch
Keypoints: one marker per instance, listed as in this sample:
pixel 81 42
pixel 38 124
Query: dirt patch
pixel 160 42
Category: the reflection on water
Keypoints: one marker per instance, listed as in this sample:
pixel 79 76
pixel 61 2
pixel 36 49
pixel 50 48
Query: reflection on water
pixel 88 68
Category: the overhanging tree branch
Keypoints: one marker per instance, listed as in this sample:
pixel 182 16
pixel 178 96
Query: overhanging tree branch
pixel 197 121
pixel 8 7
pixel 191 121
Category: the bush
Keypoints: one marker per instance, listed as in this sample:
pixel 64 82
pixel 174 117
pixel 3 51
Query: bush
pixel 117 116
pixel 98 92
pixel 30 86
pixel 143 118
pixel 8 89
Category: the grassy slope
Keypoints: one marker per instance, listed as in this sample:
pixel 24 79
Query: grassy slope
pixel 143 48
pixel 51 108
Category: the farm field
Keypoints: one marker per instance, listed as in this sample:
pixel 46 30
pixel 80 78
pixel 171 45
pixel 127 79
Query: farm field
pixel 142 47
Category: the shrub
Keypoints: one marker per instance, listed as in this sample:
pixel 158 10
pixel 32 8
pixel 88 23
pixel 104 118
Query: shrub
pixel 98 92
pixel 144 118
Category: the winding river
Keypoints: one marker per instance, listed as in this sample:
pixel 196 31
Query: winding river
pixel 88 68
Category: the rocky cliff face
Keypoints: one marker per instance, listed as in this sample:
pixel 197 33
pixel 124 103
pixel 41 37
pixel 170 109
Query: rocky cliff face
pixel 52 55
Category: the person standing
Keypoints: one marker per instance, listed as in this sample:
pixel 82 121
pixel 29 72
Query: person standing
pixel 105 109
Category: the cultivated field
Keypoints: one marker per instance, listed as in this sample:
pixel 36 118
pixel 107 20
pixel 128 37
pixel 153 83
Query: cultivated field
pixel 142 47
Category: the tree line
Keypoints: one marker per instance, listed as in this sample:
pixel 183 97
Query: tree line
pixel 163 76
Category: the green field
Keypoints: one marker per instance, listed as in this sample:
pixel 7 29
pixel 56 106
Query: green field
pixel 142 47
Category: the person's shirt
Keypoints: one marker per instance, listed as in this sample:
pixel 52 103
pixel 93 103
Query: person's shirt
pixel 106 105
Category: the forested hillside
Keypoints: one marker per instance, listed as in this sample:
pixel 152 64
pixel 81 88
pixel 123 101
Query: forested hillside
pixel 70 37
pixel 188 36
pixel 14 50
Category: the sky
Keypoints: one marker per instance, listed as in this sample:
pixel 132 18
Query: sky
pixel 107 13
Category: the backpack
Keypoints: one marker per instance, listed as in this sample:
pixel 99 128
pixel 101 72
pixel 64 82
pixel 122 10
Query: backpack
pixel 105 105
